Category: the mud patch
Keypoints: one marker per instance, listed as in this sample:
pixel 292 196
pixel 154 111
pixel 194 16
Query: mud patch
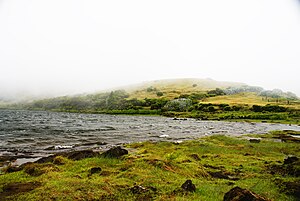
pixel 289 187
pixel 290 167
pixel 16 188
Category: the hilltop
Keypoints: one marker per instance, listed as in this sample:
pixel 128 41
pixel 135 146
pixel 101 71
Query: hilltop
pixel 175 87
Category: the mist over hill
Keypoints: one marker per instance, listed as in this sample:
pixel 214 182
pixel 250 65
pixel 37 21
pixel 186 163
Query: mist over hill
pixel 170 87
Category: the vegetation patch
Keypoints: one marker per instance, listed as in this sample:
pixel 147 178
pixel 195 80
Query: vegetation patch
pixel 201 99
pixel 202 169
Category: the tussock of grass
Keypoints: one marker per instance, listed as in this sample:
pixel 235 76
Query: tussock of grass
pixel 164 167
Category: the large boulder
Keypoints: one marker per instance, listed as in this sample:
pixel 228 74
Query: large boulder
pixel 95 170
pixel 115 152
pixel 290 160
pixel 239 194
pixel 188 186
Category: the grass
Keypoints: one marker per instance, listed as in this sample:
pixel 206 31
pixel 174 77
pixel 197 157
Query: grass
pixel 250 99
pixel 173 88
pixel 146 99
pixel 163 167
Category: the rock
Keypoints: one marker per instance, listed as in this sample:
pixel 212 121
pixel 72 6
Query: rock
pixel 48 159
pixel 79 155
pixel 138 189
pixel 181 119
pixel 93 143
pixel 95 170
pixel 223 175
pixel 290 160
pixel 188 186
pixel 115 152
pixel 49 148
pixel 73 155
pixel 218 175
pixel 254 140
pixel 10 169
pixel 143 193
pixel 239 194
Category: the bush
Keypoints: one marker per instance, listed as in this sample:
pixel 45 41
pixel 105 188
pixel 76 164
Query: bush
pixel 268 108
pixel 227 108
pixel 257 108
pixel 216 92
pixel 150 89
pixel 159 93
pixel 179 105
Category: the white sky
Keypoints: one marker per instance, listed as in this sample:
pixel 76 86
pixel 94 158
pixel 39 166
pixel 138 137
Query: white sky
pixel 68 46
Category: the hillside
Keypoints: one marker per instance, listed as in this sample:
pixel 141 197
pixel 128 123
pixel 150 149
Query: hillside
pixel 204 99
pixel 172 88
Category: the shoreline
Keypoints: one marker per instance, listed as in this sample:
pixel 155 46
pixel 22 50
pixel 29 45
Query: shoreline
pixel 170 115
pixel 18 160
pixel 157 170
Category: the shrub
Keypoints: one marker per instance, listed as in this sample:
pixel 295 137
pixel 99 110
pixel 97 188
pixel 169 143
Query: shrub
pixel 211 109
pixel 227 108
pixel 150 89
pixel 216 92
pixel 179 105
pixel 159 93
pixel 257 108
pixel 268 108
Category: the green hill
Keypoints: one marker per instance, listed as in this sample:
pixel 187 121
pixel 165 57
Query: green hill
pixel 205 99
pixel 172 88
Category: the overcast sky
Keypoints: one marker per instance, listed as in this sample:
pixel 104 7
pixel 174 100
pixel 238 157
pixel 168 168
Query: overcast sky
pixel 70 46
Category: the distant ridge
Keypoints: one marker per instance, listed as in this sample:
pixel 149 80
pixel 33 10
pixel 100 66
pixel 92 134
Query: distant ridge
pixel 169 89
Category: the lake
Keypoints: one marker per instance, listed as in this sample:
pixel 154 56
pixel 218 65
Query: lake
pixel 40 133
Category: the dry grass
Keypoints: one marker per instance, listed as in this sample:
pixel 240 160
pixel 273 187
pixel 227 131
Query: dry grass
pixel 250 99
pixel 174 87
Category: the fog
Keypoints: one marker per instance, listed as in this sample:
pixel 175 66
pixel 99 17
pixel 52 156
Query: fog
pixel 62 47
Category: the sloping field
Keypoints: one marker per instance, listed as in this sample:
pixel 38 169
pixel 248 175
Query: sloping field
pixel 174 87
pixel 251 99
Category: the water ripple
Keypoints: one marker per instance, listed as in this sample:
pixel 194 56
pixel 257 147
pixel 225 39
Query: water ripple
pixel 35 131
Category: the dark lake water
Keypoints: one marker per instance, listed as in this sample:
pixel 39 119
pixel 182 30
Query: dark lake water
pixel 40 132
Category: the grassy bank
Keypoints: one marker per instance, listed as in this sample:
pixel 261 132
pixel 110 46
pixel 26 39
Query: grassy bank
pixel 214 164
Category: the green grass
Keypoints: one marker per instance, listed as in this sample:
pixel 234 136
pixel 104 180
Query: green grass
pixel 164 166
